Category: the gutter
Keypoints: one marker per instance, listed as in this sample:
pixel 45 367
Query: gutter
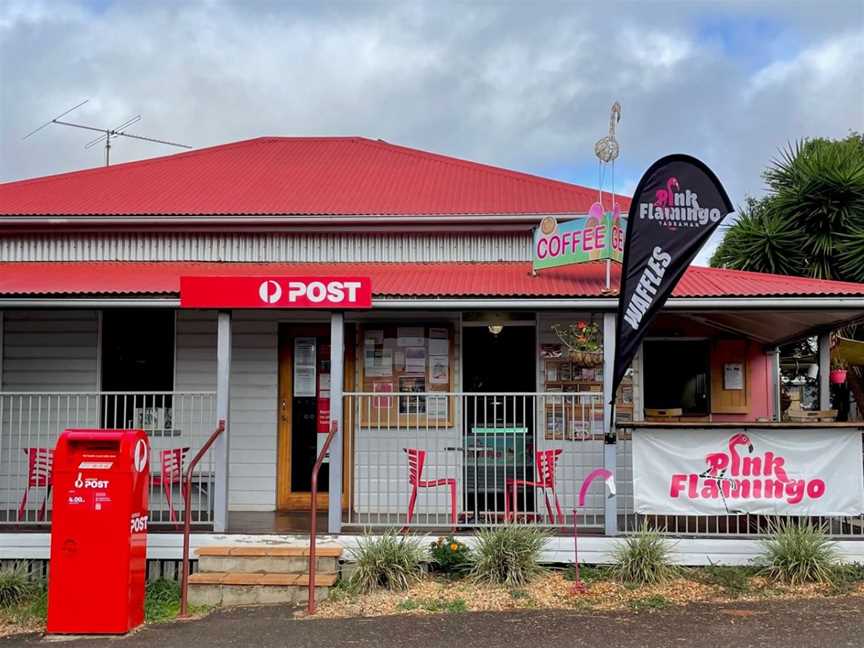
pixel 605 303
pixel 281 221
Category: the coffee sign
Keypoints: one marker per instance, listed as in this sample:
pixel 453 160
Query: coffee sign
pixel 333 293
pixel 597 236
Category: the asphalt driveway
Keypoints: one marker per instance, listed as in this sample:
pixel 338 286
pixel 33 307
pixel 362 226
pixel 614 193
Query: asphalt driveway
pixel 820 623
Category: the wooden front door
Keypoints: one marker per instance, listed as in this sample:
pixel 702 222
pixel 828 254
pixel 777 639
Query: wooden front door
pixel 304 372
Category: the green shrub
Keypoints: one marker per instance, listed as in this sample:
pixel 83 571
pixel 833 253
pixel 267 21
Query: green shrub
pixel 508 555
pixel 161 600
pixel 643 559
pixel 390 561
pixel 17 586
pixel 799 553
pixel 450 556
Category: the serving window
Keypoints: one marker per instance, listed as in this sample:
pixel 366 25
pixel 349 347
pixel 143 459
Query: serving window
pixel 403 365
pixel 571 364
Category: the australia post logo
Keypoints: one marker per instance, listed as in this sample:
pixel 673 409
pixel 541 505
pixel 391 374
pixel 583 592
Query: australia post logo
pixel 335 293
pixel 674 207
pixel 739 472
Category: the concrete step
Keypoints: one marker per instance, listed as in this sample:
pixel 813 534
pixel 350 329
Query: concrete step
pixel 267 559
pixel 242 588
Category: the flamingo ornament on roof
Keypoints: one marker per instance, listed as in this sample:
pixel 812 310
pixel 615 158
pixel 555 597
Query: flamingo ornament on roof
pixel 606 148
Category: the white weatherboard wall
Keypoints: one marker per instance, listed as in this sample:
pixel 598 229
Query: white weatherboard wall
pixel 50 350
pixel 43 351
pixel 254 395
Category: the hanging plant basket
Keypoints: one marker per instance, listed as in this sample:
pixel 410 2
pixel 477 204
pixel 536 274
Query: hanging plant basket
pixel 582 342
pixel 837 376
pixel 586 358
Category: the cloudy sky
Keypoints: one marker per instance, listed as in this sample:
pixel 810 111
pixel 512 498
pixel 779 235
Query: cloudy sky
pixel 522 85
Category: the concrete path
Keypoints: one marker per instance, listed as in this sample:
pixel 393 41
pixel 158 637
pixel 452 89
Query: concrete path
pixel 819 623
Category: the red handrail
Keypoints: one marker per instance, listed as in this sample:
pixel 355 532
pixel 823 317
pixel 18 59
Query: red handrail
pixel 334 427
pixel 187 516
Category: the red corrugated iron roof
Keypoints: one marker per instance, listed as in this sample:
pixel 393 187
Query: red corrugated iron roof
pixel 296 176
pixel 434 280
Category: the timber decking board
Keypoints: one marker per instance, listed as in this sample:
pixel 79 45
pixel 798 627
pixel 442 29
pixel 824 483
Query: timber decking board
pixel 238 578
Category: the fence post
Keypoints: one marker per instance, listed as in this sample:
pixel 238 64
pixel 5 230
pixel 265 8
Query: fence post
pixel 776 382
pixel 824 370
pixel 610 459
pixel 223 403
pixel 337 353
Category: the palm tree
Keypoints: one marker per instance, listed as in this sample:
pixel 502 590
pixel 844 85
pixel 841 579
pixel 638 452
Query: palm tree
pixel 811 222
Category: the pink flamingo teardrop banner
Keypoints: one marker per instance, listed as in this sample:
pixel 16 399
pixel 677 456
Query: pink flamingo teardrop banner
pixel 678 204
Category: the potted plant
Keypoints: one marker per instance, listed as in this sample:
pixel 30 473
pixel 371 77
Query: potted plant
pixel 582 340
pixel 838 371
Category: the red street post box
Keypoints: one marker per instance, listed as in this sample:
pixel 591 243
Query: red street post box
pixel 98 563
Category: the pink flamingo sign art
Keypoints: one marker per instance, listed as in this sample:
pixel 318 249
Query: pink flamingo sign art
pixel 666 197
pixel 598 473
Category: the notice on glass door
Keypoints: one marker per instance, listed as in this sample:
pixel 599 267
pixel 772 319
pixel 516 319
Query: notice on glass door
pixel 304 367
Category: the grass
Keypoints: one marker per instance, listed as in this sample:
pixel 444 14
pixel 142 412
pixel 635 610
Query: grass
pixel 643 559
pixel 734 580
pixel 390 561
pixel 799 553
pixel 434 606
pixel 508 555
pixel 161 601
pixel 24 603
pixel 588 573
pixel 653 602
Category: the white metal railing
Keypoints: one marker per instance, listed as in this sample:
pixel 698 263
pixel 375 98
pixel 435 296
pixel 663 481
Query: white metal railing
pixel 31 422
pixel 480 441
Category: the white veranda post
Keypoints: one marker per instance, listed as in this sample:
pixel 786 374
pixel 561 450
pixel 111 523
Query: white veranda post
pixel 610 516
pixel 223 402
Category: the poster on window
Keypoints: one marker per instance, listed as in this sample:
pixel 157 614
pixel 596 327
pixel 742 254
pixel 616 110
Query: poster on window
pixel 304 367
pixel 323 402
pixel 730 471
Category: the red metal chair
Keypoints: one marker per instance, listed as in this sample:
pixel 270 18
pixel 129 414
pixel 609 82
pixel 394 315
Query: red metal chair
pixel 40 474
pixel 416 459
pixel 545 461
pixel 171 461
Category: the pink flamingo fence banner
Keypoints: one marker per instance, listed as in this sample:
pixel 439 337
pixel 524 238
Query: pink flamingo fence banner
pixel 728 471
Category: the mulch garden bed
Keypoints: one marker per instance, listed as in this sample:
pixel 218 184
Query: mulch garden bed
pixel 554 590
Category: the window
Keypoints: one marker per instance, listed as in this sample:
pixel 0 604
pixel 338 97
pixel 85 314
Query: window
pixel 571 363
pixel 137 356
pixel 677 376
pixel 406 359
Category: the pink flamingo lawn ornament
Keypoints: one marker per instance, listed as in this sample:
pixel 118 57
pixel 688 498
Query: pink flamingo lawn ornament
pixel 578 586
pixel 666 197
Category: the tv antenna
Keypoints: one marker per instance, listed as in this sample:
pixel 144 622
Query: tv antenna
pixel 107 134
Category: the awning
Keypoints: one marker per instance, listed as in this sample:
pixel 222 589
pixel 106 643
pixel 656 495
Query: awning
pixel 407 280
pixel 763 307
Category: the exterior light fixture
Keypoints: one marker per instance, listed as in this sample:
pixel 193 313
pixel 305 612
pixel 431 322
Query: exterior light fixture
pixel 495 329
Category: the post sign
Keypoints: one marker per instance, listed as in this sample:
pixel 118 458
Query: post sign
pixel 729 471
pixel 597 236
pixel 333 293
